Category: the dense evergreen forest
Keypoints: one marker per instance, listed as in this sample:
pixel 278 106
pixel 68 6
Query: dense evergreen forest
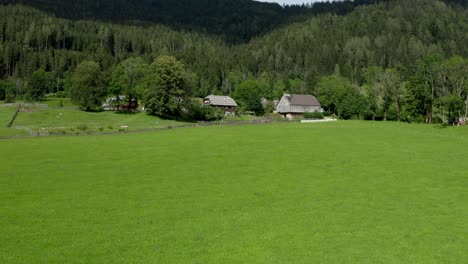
pixel 395 60
pixel 235 20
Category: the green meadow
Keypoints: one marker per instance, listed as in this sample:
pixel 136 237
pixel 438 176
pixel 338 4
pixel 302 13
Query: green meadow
pixel 68 120
pixel 344 192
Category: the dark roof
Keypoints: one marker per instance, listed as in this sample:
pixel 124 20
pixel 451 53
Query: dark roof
pixel 302 99
pixel 217 100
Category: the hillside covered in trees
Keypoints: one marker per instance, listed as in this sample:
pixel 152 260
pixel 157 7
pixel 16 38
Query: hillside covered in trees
pixel 390 60
pixel 235 20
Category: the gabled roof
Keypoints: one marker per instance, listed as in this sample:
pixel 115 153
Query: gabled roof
pixel 221 100
pixel 302 99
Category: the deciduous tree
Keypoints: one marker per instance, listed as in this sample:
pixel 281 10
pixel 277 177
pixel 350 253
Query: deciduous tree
pixel 87 86
pixel 165 86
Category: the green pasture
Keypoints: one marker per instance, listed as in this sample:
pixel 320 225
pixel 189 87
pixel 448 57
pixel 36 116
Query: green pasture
pixel 56 120
pixel 345 192
pixel 6 114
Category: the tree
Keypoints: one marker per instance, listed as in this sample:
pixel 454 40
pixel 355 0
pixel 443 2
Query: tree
pixel 331 90
pixel 391 90
pixel 454 105
pixel 87 86
pixel 373 90
pixel 196 111
pixel 165 86
pixel 249 94
pixel 418 103
pixel 127 79
pixel 457 76
pixel 39 84
pixel 431 69
pixel 7 90
pixel 352 105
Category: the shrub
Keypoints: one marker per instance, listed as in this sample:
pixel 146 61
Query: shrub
pixel 58 132
pixel 61 94
pixel 314 115
pixel 82 127
pixel 211 114
pixel 204 113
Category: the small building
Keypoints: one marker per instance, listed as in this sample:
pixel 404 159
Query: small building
pixel 224 103
pixel 462 121
pixel 295 105
pixel 120 103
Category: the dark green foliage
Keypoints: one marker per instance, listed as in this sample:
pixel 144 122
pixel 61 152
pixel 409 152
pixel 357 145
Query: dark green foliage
pixel 249 94
pixel 61 94
pixel 269 107
pixel 87 88
pixel 127 79
pixel 7 90
pixel 331 90
pixel 236 21
pixel 198 112
pixel 314 115
pixel 352 106
pixel 165 86
pixel 39 84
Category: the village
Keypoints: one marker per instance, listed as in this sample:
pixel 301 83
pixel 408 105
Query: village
pixel 290 106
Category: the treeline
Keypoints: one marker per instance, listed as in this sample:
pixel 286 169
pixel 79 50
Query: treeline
pixel 397 36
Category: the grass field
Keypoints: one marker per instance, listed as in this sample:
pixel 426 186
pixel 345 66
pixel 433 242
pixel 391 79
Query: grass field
pixel 55 120
pixel 6 114
pixel 345 192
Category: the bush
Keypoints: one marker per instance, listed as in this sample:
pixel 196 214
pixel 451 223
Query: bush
pixel 314 115
pixel 204 113
pixel 61 94
pixel 212 114
pixel 82 127
pixel 59 132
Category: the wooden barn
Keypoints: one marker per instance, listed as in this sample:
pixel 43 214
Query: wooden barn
pixel 295 105
pixel 225 103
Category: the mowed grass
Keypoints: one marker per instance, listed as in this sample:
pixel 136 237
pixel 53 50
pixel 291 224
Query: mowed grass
pixel 6 114
pixel 40 119
pixel 347 192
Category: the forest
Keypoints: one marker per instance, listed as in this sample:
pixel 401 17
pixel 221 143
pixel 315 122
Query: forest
pixel 389 60
pixel 237 21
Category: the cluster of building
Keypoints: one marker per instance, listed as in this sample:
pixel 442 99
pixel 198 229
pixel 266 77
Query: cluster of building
pixel 290 105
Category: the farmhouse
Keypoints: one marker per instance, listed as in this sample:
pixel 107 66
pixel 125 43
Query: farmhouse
pixel 225 103
pixel 295 105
